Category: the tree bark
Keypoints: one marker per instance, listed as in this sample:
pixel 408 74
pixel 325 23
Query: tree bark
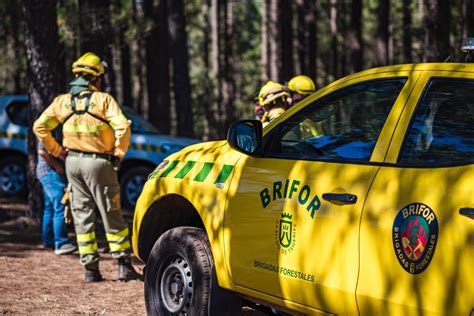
pixel 273 40
pixel 286 31
pixel 382 41
pixel 215 68
pixel 265 57
pixel 300 42
pixel 206 99
pixel 356 43
pixel 181 81
pixel 42 49
pixel 141 103
pixel 96 35
pixel 311 40
pixel 436 23
pixel 157 65
pixel 333 29
pixel 15 18
pixel 444 27
pixel 469 18
pixel 229 60
pixel 407 29
pixel 125 68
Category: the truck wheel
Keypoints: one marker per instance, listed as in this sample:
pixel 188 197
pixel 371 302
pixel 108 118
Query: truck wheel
pixel 131 184
pixel 13 176
pixel 178 273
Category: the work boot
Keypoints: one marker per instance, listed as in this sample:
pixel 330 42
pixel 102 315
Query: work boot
pixel 126 272
pixel 92 275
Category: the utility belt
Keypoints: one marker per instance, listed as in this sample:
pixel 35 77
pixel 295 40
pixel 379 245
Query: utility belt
pixel 113 159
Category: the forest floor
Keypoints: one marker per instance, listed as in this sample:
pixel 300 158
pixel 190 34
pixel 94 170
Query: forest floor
pixel 34 280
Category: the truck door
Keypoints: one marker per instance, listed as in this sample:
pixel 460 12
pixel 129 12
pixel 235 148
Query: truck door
pixel 293 216
pixel 417 231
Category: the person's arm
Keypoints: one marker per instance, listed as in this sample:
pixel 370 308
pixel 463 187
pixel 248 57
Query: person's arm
pixel 121 126
pixel 53 163
pixel 43 127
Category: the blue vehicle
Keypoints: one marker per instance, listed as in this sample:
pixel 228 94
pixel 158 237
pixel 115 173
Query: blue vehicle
pixel 147 149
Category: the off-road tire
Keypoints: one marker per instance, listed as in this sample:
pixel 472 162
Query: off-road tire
pixel 181 254
pixel 13 165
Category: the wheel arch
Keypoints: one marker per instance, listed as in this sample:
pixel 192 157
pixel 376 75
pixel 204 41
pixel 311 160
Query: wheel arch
pixel 166 213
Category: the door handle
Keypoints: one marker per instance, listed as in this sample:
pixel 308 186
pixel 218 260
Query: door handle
pixel 467 211
pixel 344 198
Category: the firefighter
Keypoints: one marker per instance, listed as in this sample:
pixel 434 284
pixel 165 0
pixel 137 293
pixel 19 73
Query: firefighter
pixel 273 97
pixel 300 87
pixel 96 136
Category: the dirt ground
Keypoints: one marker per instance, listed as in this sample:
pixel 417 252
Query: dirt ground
pixel 36 281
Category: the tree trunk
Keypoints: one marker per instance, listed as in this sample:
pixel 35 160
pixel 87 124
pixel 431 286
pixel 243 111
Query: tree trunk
pixel 15 17
pixel 444 28
pixel 286 31
pixel 407 29
pixel 311 40
pixel 125 68
pixel 382 41
pixel 333 28
pixel 215 68
pixel 42 48
pixel 299 41
pixel 205 100
pixel 229 60
pixel 356 43
pixel 265 57
pixel 137 60
pixel 468 18
pixel 157 65
pixel 96 35
pixel 181 82
pixel 436 23
pixel 273 41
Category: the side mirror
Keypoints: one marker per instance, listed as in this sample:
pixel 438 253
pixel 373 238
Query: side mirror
pixel 245 136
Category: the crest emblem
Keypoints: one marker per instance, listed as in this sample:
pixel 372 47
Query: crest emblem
pixel 285 233
pixel 415 234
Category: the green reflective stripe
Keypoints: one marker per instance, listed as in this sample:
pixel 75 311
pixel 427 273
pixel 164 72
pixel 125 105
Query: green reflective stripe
pixel 117 236
pixel 184 171
pixel 119 247
pixel 170 168
pixel 225 173
pixel 85 237
pixel 117 120
pixel 205 170
pixel 87 249
pixel 51 123
pixel 84 128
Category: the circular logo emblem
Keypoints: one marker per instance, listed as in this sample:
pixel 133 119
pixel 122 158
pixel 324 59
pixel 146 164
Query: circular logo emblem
pixel 415 233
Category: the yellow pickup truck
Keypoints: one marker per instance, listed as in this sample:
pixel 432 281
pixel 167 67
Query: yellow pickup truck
pixel 358 200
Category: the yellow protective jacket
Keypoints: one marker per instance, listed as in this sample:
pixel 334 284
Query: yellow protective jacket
pixel 85 132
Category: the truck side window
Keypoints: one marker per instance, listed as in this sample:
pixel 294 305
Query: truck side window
pixel 18 113
pixel 442 131
pixel 342 126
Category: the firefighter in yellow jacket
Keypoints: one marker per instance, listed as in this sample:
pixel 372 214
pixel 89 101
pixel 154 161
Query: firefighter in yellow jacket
pixel 96 137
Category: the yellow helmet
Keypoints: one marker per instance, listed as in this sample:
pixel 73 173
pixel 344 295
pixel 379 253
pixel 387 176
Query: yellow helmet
pixel 271 91
pixel 302 85
pixel 89 63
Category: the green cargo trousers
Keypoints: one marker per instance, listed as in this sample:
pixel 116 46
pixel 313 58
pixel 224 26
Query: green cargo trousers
pixel 94 184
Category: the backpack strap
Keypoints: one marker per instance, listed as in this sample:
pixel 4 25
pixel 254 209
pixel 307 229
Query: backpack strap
pixel 86 109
